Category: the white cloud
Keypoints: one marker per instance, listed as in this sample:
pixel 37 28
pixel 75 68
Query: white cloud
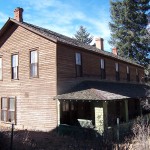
pixel 3 17
pixel 65 18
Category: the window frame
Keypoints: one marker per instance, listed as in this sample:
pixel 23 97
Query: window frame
pixel 128 73
pixel 8 110
pixel 30 51
pixel 15 66
pixel 1 68
pixel 102 68
pixel 78 66
pixel 137 75
pixel 117 69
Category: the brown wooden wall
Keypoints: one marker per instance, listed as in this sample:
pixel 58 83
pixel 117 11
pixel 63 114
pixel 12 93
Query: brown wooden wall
pixel 36 108
pixel 66 71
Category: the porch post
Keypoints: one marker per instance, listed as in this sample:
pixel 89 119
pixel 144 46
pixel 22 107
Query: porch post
pixel 101 117
pixel 105 114
pixel 58 112
pixel 126 111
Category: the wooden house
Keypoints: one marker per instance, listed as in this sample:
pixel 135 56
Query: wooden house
pixel 48 79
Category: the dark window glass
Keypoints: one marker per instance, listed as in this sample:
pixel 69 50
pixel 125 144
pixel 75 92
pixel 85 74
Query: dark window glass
pixel 102 66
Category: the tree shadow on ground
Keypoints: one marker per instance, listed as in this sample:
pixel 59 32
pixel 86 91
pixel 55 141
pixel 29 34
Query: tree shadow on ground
pixel 72 138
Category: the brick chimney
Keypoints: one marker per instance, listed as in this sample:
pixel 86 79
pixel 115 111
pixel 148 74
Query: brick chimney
pixel 18 12
pixel 99 43
pixel 114 51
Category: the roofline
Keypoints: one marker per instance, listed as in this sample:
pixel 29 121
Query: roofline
pixel 56 41
pixel 32 30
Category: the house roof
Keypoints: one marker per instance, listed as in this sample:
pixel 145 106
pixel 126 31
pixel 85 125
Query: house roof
pixel 100 90
pixel 56 37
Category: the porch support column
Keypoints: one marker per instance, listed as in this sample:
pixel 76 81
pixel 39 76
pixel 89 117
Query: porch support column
pixel 58 112
pixel 101 117
pixel 105 114
pixel 126 111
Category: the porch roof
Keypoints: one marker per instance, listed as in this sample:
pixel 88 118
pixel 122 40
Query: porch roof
pixel 100 90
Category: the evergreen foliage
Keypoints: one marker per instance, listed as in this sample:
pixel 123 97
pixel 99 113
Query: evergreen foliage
pixel 83 36
pixel 129 29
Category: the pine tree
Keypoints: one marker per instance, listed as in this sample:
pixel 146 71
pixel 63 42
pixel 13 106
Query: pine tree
pixel 128 29
pixel 83 36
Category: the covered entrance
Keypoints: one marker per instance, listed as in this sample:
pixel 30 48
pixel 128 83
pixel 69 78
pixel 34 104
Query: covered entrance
pixel 99 104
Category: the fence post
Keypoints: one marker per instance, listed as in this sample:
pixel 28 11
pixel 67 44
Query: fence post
pixel 12 133
pixel 118 133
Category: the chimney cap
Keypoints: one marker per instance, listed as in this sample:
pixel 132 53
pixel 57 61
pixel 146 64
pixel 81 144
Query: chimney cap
pixel 18 8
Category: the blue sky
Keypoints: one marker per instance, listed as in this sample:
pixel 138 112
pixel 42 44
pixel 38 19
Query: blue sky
pixel 63 16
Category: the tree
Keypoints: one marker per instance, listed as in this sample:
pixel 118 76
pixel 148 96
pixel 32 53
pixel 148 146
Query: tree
pixel 83 36
pixel 129 29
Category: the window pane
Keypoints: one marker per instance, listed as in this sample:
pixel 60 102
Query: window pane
pixel 4 115
pixel 137 73
pixel 15 72
pixel 64 106
pixel 34 57
pixel 11 116
pixel 0 62
pixel 78 71
pixel 0 73
pixel 78 59
pixel 4 103
pixel 127 70
pixel 117 67
pixel 12 104
pixel 34 71
pixel 102 64
pixel 14 60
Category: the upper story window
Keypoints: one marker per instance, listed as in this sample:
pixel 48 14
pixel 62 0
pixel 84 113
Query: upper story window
pixel 1 69
pixel 34 63
pixel 78 65
pixel 8 109
pixel 137 75
pixel 14 66
pixel 102 66
pixel 117 71
pixel 128 73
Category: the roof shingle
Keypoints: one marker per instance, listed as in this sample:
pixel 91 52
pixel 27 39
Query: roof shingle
pixel 100 90
pixel 70 41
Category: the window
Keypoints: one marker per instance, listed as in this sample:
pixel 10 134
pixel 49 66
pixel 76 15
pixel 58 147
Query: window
pixel 78 65
pixel 8 109
pixel 1 72
pixel 117 71
pixel 137 75
pixel 34 63
pixel 14 66
pixel 102 65
pixel 128 74
pixel 65 106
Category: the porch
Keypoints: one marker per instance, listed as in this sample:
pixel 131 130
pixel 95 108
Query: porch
pixel 98 115
pixel 96 104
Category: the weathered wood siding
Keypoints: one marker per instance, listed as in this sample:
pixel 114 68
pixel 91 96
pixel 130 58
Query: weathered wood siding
pixel 36 108
pixel 66 71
